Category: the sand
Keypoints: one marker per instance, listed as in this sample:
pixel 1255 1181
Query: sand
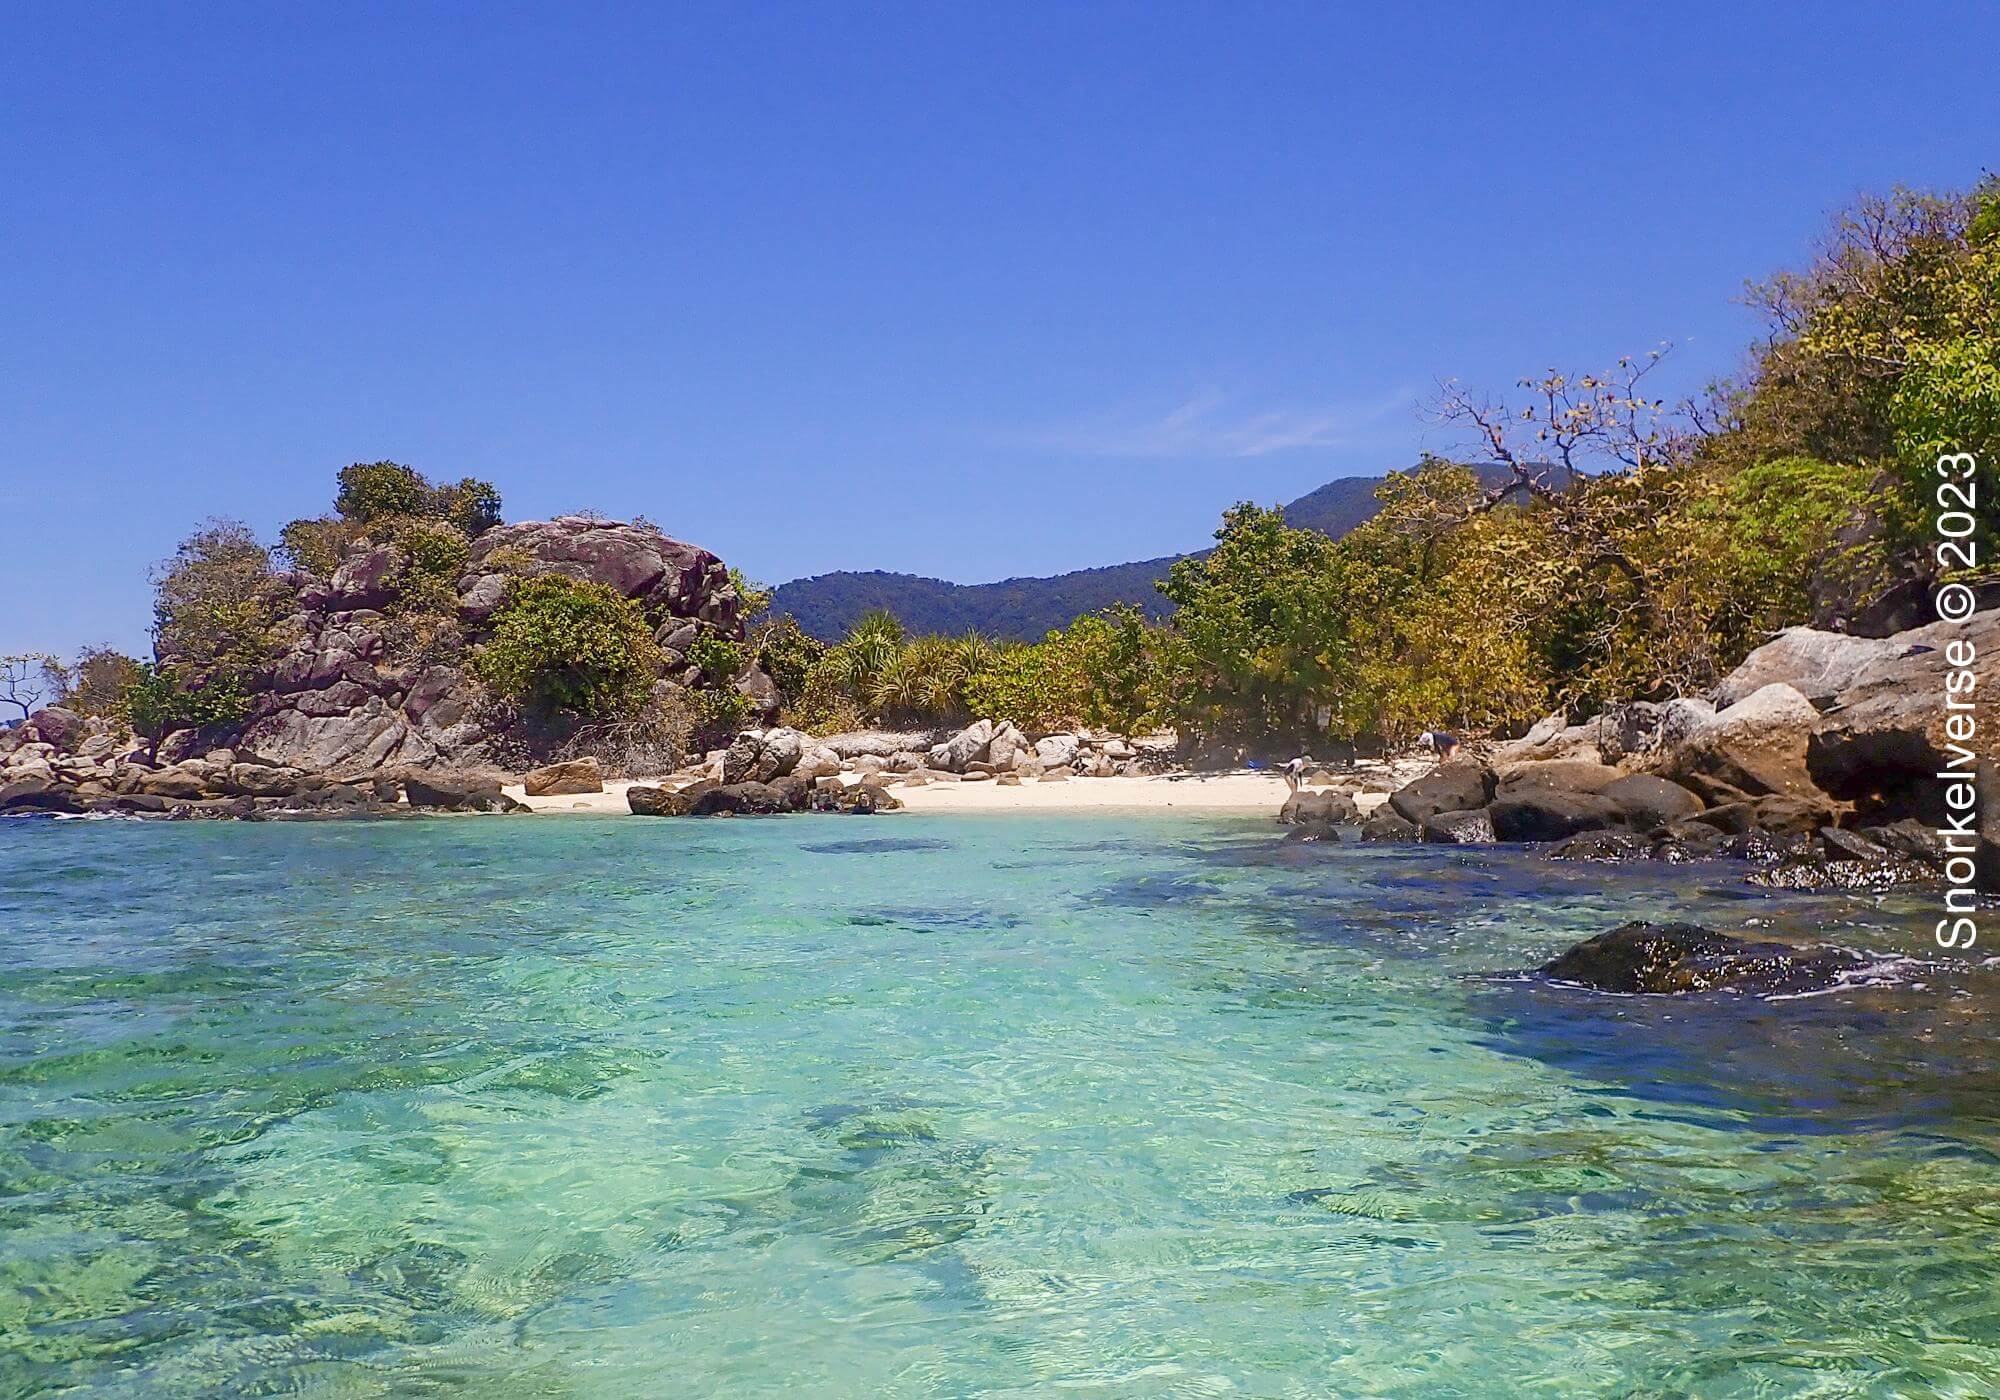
pixel 1262 792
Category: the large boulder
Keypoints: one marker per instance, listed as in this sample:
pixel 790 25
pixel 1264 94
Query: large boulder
pixel 1007 747
pixel 647 800
pixel 968 745
pixel 1674 959
pixel 668 578
pixel 57 727
pixel 1647 802
pixel 1384 824
pixel 366 578
pixel 761 691
pixel 749 799
pixel 1551 740
pixel 1629 731
pixel 1550 814
pixel 1458 786
pixel 1758 744
pixel 570 777
pixel 1057 750
pixel 782 749
pixel 1893 727
pixel 1575 775
pixel 1817 664
pixel 457 792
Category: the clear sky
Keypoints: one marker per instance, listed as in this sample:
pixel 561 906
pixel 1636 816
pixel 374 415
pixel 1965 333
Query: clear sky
pixel 962 290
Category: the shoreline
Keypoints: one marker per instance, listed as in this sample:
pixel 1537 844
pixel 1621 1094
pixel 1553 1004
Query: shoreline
pixel 1238 792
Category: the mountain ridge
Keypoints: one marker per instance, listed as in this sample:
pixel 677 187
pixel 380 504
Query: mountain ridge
pixel 1026 608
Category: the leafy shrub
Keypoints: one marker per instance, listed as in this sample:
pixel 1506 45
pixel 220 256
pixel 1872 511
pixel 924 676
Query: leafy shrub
pixel 717 658
pixel 787 654
pixel 317 546
pixel 756 598
pixel 156 703
pixel 563 645
pixel 371 491
pixel 472 506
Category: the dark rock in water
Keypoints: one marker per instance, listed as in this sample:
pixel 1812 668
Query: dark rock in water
pixel 457 792
pixel 646 800
pixel 1783 816
pixel 1850 845
pixel 1473 828
pixel 1384 824
pixel 1316 832
pixel 1451 787
pixel 1551 815
pixel 1756 846
pixel 750 799
pixel 1846 873
pixel 1648 802
pixel 796 791
pixel 1673 959
pixel 1603 846
pixel 1911 840
pixel 27 794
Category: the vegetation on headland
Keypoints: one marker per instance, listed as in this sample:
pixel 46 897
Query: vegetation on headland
pixel 1594 543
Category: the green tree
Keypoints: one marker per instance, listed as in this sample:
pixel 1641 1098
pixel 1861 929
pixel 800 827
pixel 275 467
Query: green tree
pixel 216 609
pixel 157 703
pixel 561 645
pixel 96 682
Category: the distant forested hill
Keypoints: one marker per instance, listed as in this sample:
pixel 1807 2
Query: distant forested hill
pixel 1024 609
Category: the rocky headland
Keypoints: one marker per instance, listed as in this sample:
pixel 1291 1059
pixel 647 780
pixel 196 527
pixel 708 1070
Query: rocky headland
pixel 1829 759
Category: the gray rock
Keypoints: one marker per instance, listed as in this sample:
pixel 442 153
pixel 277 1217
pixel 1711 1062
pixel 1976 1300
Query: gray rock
pixel 1057 750
pixel 1758 744
pixel 969 744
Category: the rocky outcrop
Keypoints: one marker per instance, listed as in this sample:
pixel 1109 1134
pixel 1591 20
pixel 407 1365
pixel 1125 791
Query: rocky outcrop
pixel 1813 748
pixel 1679 959
pixel 345 698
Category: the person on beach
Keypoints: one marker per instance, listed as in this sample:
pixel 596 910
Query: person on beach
pixel 1295 771
pixel 1445 746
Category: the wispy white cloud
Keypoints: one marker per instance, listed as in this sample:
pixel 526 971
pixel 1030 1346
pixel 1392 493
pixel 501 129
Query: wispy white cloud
pixel 1212 424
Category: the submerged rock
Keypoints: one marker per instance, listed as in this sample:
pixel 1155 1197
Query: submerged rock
pixel 1675 959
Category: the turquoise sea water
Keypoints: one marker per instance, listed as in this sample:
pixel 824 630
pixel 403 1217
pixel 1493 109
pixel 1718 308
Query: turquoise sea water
pixel 1104 1105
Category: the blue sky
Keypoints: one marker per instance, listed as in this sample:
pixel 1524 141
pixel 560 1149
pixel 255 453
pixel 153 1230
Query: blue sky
pixel 962 290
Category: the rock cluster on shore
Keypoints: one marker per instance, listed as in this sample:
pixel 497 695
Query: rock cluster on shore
pixel 784 770
pixel 337 702
pixel 63 763
pixel 1828 758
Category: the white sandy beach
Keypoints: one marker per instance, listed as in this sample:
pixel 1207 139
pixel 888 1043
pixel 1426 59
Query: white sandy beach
pixel 1220 792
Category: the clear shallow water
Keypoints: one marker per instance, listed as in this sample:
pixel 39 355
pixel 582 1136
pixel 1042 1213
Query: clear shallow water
pixel 1123 1106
